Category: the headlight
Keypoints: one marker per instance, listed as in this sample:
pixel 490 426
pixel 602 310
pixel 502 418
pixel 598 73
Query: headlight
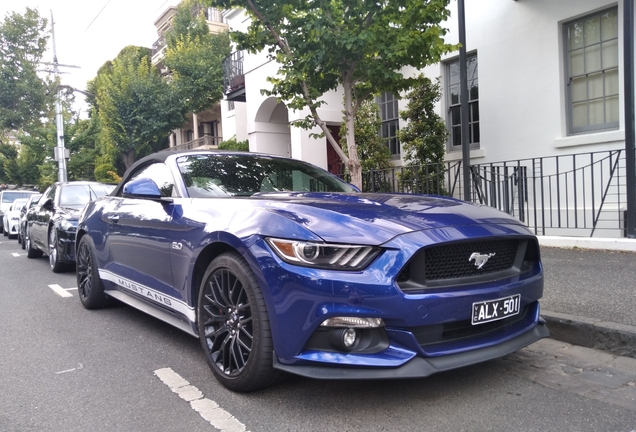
pixel 323 255
pixel 67 225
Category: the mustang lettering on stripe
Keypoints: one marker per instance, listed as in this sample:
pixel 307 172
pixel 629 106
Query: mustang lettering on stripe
pixel 149 293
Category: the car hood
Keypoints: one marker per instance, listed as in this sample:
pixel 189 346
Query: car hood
pixel 70 213
pixel 377 218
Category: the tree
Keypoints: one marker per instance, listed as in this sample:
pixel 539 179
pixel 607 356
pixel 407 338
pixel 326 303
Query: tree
pixel 372 149
pixel 136 107
pixel 424 137
pixel 359 45
pixel 23 95
pixel 194 58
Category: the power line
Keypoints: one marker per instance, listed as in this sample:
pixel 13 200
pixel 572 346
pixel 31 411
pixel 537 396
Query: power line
pixel 96 16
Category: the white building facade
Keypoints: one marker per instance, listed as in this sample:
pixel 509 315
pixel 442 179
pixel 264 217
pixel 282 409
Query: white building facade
pixel 545 80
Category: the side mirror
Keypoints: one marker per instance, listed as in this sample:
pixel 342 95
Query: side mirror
pixel 48 204
pixel 142 188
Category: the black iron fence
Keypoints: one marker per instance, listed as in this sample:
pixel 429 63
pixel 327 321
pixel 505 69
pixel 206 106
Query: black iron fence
pixel 576 195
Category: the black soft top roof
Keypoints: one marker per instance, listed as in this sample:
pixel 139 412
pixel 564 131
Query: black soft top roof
pixel 161 157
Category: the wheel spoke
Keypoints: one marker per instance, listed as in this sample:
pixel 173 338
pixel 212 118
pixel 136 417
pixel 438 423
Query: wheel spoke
pixel 214 316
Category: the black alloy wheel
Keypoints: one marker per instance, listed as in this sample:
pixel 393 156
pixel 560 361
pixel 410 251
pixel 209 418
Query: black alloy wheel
pixel 89 285
pixel 233 325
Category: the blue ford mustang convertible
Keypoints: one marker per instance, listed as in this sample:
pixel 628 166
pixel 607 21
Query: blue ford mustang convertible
pixel 278 266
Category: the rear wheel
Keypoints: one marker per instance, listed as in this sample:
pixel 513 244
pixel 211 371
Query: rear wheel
pixel 31 251
pixel 89 284
pixel 234 327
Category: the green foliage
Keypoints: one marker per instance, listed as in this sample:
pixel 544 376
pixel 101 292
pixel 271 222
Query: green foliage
pixel 361 46
pixel 194 58
pixel 106 173
pixel 135 106
pixel 232 144
pixel 372 148
pixel 424 138
pixel 23 94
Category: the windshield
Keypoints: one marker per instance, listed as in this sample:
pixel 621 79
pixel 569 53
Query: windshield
pixel 79 195
pixel 18 203
pixel 222 175
pixel 9 197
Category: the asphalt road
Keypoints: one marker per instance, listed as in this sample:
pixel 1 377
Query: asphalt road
pixel 64 368
pixel 590 283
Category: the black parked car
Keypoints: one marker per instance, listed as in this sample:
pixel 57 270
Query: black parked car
pixel 51 223
pixel 33 200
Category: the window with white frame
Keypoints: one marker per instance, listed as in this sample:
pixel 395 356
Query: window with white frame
pixel 388 105
pixel 453 101
pixel 591 68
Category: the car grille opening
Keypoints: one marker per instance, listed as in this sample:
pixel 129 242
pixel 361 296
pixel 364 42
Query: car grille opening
pixel 448 332
pixel 465 262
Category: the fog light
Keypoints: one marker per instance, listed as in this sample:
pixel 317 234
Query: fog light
pixel 349 338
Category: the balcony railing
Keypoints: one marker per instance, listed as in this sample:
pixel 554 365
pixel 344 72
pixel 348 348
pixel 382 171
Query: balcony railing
pixel 234 78
pixel 206 140
pixel 575 195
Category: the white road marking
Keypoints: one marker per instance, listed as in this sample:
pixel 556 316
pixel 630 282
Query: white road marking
pixel 17 254
pixel 60 291
pixel 79 366
pixel 70 289
pixel 207 408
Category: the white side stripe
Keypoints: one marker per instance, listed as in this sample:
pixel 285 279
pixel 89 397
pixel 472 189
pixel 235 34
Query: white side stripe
pixel 207 408
pixel 149 294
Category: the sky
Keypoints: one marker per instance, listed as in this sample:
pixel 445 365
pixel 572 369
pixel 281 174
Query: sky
pixel 89 33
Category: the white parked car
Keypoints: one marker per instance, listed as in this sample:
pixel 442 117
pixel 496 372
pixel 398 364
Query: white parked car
pixel 11 222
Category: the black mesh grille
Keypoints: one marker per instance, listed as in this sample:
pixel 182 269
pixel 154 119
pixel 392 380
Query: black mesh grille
pixel 451 261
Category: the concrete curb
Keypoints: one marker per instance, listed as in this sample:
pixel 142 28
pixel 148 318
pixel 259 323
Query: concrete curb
pixel 616 339
pixel 614 244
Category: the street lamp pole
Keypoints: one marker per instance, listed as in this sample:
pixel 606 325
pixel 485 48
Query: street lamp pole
pixel 630 160
pixel 463 92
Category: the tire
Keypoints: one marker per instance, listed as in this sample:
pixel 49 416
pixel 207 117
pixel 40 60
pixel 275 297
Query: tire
pixel 31 251
pixel 23 238
pixel 56 264
pixel 89 285
pixel 19 237
pixel 234 328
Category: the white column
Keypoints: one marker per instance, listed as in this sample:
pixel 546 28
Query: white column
pixel 195 125
pixel 179 136
pixel 171 138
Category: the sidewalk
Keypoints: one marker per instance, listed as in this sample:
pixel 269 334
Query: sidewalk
pixel 590 292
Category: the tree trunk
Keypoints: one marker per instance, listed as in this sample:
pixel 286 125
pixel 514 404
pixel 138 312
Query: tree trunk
pixel 354 161
pixel 128 158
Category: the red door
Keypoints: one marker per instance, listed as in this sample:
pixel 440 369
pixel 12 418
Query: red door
pixel 334 163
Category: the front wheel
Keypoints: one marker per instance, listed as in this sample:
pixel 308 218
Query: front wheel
pixel 89 284
pixel 54 258
pixel 234 328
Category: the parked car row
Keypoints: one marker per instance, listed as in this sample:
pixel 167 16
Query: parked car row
pixel 45 223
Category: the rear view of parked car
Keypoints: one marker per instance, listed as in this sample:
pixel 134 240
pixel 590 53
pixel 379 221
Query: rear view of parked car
pixel 6 199
pixel 11 220
pixel 51 224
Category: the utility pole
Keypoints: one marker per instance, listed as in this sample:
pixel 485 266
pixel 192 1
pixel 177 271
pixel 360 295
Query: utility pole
pixel 61 153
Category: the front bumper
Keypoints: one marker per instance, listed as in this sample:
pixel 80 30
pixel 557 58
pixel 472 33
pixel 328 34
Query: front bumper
pixel 66 245
pixel 422 327
pixel 420 367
